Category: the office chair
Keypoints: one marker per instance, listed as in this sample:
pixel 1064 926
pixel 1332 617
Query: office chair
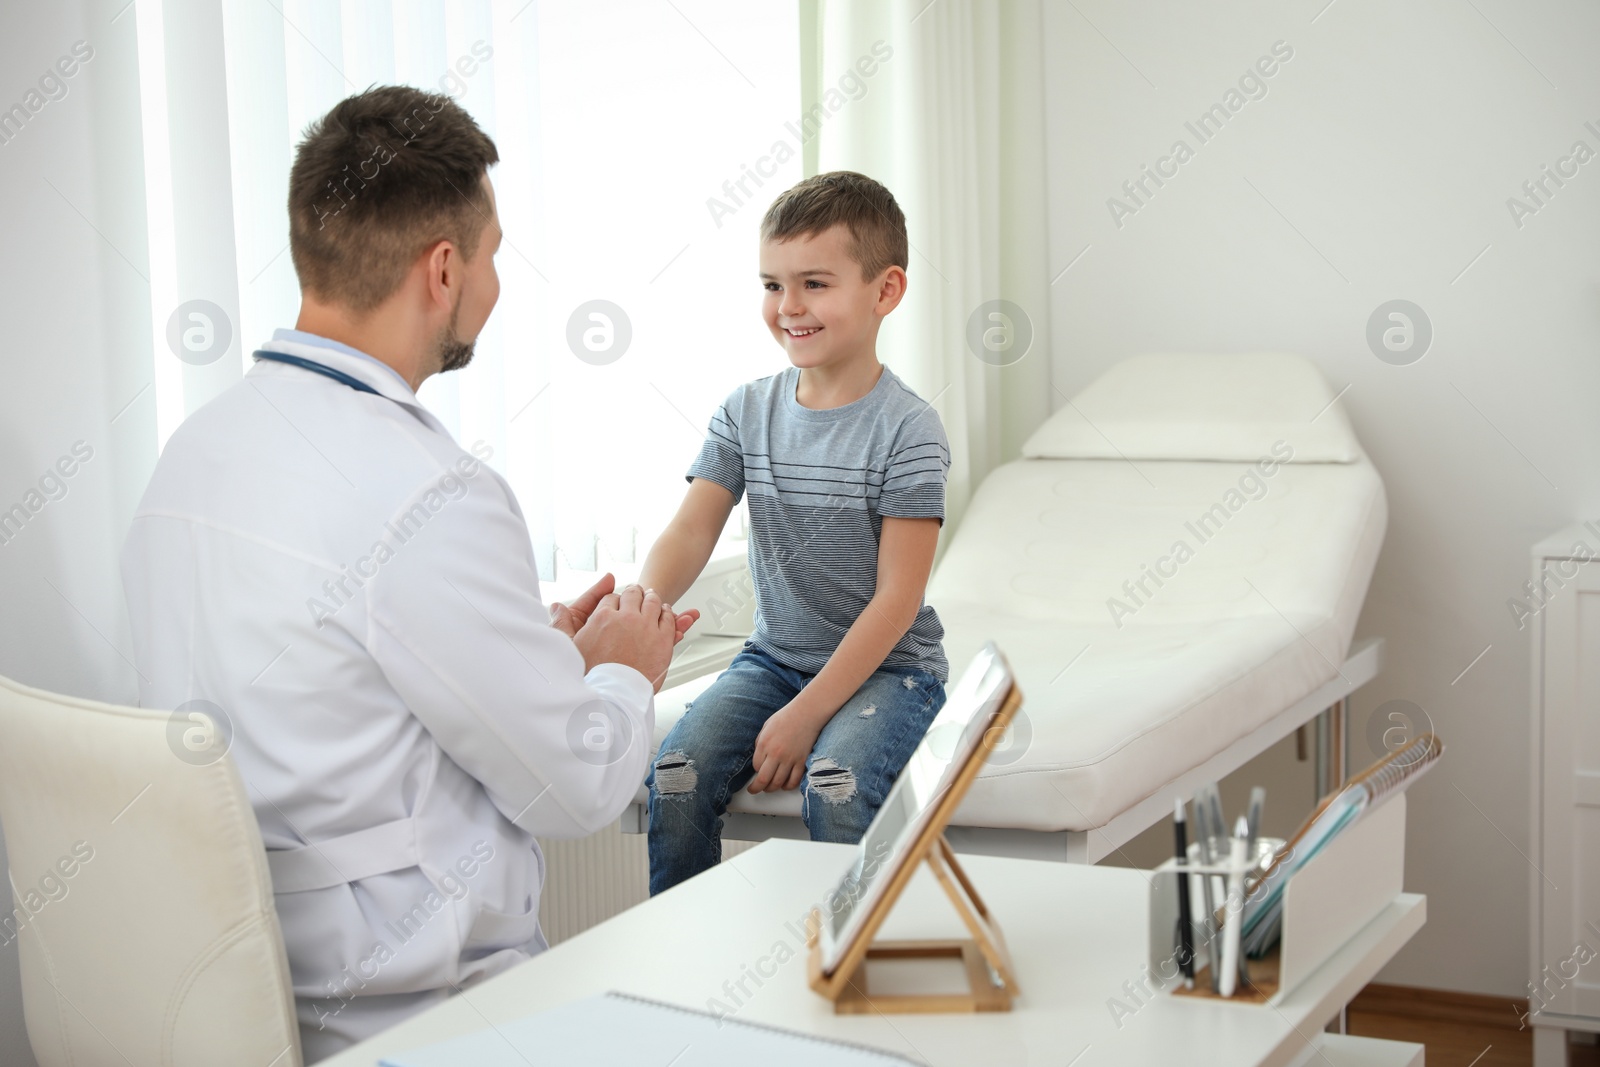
pixel 143 909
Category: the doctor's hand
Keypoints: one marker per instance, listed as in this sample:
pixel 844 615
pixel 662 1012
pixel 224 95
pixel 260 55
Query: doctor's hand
pixel 569 618
pixel 632 628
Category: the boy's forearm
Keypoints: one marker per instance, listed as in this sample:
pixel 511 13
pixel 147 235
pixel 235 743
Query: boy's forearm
pixel 684 547
pixel 866 645
pixel 673 564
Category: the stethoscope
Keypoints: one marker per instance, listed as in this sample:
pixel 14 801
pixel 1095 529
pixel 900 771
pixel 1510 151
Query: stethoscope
pixel 318 368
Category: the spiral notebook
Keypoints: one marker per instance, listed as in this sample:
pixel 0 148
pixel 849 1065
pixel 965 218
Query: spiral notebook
pixel 621 1030
pixel 1263 908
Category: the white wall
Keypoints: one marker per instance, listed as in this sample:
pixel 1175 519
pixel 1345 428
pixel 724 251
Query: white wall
pixel 1376 167
pixel 75 309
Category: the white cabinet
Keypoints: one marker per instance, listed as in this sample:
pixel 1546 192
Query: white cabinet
pixel 1561 606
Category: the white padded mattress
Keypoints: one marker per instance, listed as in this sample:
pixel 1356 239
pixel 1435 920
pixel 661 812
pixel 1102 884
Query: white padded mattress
pixel 1259 614
pixel 1258 617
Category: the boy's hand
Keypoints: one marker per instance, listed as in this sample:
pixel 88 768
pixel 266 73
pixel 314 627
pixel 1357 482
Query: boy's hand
pixel 686 619
pixel 781 750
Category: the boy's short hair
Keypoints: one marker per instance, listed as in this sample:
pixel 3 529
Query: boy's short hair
pixel 376 180
pixel 877 225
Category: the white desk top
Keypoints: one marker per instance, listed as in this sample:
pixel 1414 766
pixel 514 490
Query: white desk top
pixel 1076 934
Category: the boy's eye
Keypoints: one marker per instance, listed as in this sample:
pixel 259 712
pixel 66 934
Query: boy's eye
pixel 813 281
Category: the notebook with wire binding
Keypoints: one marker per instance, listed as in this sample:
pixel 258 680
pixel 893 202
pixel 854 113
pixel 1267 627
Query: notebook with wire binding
pixel 1263 909
pixel 622 1030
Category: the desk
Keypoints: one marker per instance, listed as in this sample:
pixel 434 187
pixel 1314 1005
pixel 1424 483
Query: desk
pixel 1077 935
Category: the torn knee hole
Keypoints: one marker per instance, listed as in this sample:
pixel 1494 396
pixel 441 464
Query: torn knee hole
pixel 675 774
pixel 869 711
pixel 831 782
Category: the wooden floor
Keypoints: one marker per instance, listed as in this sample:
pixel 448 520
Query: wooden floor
pixel 1455 1034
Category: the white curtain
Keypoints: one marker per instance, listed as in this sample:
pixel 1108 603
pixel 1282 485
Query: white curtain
pixel 640 143
pixel 953 123
pixel 621 128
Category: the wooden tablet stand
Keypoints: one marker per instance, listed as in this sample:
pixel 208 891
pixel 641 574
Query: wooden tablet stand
pixel 984 956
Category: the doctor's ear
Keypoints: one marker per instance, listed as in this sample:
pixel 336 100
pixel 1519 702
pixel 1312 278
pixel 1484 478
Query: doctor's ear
pixel 443 269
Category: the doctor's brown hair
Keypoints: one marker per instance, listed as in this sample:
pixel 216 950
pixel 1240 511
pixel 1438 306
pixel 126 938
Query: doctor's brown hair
pixel 377 180
pixel 877 225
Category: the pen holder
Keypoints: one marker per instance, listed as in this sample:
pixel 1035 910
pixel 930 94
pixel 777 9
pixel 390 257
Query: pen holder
pixel 1337 892
pixel 1209 898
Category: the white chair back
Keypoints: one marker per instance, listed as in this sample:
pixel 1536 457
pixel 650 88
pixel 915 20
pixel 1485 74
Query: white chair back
pixel 143 909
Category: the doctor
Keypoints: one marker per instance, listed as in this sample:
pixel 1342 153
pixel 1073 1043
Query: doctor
pixel 322 568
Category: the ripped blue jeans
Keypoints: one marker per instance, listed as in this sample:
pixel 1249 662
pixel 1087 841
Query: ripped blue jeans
pixel 706 757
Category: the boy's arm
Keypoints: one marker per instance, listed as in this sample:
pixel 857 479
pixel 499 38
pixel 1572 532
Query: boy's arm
pixel 681 552
pixel 905 558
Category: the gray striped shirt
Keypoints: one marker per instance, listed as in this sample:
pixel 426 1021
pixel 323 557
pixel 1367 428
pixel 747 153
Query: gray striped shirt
pixel 820 482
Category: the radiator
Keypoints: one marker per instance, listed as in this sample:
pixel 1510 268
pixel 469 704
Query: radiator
pixel 589 880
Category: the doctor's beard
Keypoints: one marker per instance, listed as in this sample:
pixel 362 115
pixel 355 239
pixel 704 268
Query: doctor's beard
pixel 452 352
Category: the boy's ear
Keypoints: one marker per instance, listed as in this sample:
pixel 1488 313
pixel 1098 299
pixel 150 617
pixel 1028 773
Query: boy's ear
pixel 891 289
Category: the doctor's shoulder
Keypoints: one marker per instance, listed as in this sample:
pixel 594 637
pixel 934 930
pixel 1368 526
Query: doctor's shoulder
pixel 221 442
pixel 453 471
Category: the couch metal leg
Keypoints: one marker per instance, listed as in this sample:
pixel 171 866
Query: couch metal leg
pixel 1332 739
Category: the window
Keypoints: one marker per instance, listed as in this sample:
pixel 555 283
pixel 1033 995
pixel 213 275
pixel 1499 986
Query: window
pixel 640 143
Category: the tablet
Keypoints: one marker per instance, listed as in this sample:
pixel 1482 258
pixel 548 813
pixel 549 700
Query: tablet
pixel 952 741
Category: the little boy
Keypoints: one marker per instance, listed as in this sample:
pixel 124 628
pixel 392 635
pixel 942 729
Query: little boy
pixel 845 467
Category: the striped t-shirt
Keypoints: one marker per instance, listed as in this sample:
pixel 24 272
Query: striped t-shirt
pixel 820 482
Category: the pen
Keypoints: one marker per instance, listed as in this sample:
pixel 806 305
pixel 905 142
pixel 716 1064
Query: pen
pixel 1185 927
pixel 1202 824
pixel 1210 929
pixel 1234 907
pixel 1218 833
pixel 1219 825
pixel 1258 798
pixel 1209 886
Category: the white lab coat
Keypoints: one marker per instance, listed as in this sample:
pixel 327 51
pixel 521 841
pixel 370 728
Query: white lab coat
pixel 358 594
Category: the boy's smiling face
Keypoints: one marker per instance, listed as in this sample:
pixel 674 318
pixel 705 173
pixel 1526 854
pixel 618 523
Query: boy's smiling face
pixel 818 306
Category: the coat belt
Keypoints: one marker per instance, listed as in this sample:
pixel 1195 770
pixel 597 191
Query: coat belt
pixel 390 846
